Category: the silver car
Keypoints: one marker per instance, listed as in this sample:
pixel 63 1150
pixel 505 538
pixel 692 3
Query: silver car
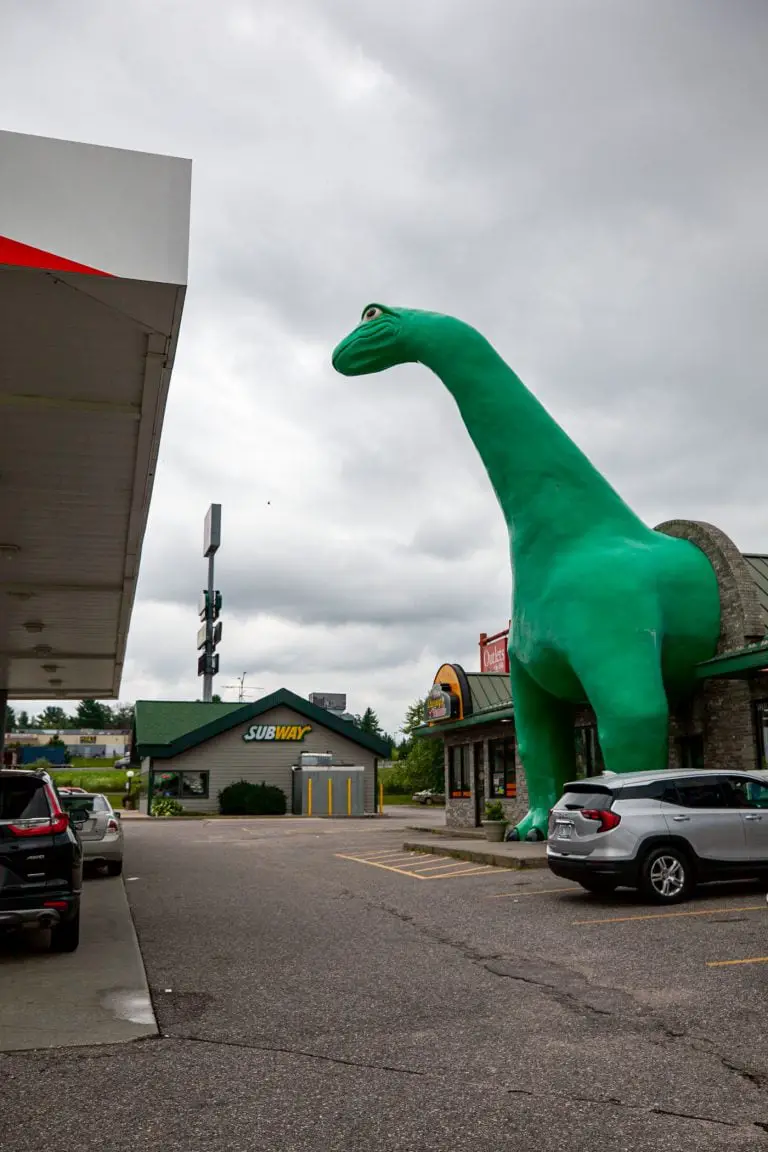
pixel 661 832
pixel 101 833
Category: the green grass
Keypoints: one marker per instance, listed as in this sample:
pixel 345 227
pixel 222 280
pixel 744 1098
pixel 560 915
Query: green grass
pixel 94 764
pixel 93 780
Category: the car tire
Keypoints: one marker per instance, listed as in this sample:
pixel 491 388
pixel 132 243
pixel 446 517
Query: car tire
pixel 65 937
pixel 428 800
pixel 114 867
pixel 666 875
pixel 599 885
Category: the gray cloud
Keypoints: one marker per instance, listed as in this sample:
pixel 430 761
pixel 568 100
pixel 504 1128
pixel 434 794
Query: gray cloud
pixel 583 180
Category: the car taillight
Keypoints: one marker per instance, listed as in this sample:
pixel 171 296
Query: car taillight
pixel 606 820
pixel 57 823
pixel 112 825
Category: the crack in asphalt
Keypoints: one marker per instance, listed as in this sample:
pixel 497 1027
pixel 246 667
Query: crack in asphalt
pixel 573 991
pixel 295 1052
pixel 616 1102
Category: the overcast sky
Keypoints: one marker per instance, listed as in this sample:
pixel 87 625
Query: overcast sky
pixel 584 180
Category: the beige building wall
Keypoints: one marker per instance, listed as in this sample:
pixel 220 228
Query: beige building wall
pixel 228 758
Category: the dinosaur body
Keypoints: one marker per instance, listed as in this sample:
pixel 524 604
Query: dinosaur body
pixel 604 609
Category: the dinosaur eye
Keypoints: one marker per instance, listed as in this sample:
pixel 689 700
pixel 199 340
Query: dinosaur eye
pixel 371 313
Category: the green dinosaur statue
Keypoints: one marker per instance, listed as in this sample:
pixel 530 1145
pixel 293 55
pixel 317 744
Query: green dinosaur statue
pixel 604 609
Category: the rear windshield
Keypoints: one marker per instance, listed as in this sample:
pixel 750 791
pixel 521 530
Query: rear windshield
pixel 575 798
pixel 72 800
pixel 22 799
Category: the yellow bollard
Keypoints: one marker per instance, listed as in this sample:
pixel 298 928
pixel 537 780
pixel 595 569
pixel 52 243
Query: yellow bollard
pixel 309 796
pixel 330 796
pixel 349 796
pixel 381 797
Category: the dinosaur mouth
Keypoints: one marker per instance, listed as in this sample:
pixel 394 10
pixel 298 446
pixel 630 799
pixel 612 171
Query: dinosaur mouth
pixel 364 350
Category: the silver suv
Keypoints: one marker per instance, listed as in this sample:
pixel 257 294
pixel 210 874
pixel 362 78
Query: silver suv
pixel 661 832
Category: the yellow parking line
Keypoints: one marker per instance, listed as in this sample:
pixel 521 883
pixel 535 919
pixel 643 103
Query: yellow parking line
pixel 669 915
pixel 443 864
pixel 539 892
pixel 386 867
pixel 381 852
pixel 727 963
pixel 485 869
pixel 387 855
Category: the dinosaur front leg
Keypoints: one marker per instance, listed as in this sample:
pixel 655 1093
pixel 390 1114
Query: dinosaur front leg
pixel 623 681
pixel 545 739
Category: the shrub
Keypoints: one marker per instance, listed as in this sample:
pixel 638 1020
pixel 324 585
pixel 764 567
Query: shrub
pixel 166 806
pixel 245 799
pixel 494 810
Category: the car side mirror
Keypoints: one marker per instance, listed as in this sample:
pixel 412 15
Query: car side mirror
pixel 115 813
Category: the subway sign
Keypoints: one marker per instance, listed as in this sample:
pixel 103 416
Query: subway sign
pixel 274 732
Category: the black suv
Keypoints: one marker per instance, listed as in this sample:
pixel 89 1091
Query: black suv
pixel 41 859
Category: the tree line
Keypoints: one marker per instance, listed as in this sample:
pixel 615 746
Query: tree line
pixel 417 761
pixel 88 714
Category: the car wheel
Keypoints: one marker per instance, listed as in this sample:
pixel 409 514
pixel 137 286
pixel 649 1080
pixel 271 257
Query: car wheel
pixel 600 885
pixel 114 867
pixel 666 876
pixel 428 800
pixel 66 937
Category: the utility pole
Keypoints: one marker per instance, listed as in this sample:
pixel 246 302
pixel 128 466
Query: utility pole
pixel 209 608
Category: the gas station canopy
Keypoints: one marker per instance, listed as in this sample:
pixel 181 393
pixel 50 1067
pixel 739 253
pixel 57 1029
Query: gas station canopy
pixel 93 268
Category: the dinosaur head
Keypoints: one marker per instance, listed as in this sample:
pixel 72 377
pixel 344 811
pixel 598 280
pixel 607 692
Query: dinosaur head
pixel 379 341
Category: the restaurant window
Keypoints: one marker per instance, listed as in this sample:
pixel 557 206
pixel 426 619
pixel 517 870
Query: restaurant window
pixel 181 785
pixel 691 752
pixel 458 771
pixel 501 765
pixel 761 734
pixel 589 757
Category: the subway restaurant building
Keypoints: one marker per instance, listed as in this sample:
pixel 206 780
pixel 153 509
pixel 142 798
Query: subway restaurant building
pixel 722 725
pixel 190 750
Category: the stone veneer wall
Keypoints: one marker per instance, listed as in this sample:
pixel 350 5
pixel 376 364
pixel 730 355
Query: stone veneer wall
pixel 461 813
pixel 721 710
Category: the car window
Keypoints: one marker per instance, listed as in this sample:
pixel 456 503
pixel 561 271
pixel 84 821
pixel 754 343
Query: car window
pixel 598 799
pixel 72 800
pixel 749 793
pixel 703 794
pixel 22 799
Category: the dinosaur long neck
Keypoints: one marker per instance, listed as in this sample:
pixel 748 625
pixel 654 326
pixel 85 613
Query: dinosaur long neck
pixel 548 490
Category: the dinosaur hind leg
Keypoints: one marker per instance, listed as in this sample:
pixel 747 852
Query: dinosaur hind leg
pixel 545 739
pixel 628 697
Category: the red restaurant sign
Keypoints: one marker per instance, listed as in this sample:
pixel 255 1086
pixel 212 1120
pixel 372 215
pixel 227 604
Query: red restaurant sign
pixel 494 656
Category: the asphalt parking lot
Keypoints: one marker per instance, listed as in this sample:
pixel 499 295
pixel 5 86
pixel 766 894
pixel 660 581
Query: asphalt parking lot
pixel 317 988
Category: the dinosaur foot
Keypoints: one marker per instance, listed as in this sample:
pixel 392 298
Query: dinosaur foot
pixel 533 826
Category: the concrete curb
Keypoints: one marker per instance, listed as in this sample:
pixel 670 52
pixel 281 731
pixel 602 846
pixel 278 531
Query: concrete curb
pixel 448 833
pixel 499 859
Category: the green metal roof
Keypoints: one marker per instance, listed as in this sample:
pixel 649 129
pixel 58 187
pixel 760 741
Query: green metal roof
pixel 489 690
pixel 164 728
pixel 736 665
pixel 758 570
pixel 491 701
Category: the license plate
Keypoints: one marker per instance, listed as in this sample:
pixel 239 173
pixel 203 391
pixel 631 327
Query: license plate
pixel 564 831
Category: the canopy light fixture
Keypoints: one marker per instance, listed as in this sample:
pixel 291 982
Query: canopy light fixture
pixel 17 594
pixel 34 625
pixel 51 667
pixel 9 550
pixel 54 683
pixel 42 650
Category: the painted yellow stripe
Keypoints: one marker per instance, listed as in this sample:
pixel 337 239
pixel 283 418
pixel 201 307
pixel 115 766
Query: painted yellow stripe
pixel 539 892
pixel 385 867
pixel 727 963
pixel 484 870
pixel 386 855
pixel 443 864
pixel 671 915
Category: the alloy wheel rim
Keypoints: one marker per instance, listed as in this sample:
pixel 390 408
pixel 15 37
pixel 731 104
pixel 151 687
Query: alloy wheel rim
pixel 667 876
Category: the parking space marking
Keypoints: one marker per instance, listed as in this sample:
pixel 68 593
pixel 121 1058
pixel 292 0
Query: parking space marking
pixel 538 892
pixel 728 963
pixel 421 866
pixel 670 915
